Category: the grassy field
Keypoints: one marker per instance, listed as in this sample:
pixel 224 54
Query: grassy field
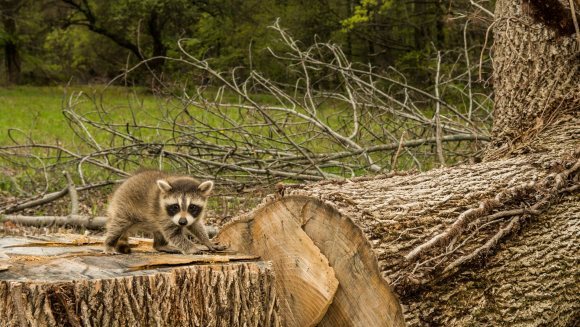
pixel 36 112
pixel 35 115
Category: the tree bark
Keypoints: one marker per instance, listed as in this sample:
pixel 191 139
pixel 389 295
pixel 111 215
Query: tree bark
pixel 76 286
pixel 154 27
pixel 536 73
pixel 490 244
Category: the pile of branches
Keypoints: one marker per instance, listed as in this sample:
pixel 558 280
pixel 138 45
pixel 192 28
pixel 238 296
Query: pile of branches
pixel 337 120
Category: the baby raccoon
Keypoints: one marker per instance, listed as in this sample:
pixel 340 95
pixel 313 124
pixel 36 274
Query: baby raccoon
pixel 169 206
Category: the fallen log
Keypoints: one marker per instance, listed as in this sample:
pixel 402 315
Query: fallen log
pixel 88 222
pixel 47 198
pixel 366 229
pixel 80 221
pixel 63 281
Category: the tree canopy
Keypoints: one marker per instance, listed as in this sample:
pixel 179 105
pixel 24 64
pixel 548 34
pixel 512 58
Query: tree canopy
pixel 54 41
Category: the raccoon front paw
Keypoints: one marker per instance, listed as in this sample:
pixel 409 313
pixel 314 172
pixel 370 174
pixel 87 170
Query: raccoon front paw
pixel 119 249
pixel 110 251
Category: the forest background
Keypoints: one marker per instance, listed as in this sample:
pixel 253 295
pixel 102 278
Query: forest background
pixel 47 42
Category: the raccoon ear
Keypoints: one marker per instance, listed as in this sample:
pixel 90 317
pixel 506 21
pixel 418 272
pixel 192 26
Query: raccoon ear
pixel 163 185
pixel 205 188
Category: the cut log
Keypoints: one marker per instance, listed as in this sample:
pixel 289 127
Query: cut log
pixel 45 283
pixel 304 279
pixel 302 236
pixel 366 227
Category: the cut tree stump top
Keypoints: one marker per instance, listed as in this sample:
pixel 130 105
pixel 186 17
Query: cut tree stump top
pixel 66 257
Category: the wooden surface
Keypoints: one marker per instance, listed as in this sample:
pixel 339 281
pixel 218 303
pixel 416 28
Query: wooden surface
pixel 64 280
pixel 305 282
pixel 311 245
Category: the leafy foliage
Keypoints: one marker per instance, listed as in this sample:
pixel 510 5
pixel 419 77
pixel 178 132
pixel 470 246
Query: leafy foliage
pixel 88 40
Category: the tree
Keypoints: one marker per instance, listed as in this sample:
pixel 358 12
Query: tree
pixel 485 244
pixel 144 28
pixel 232 33
pixel 540 85
pixel 9 38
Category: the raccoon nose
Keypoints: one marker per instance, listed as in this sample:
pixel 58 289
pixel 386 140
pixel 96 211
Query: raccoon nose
pixel 182 221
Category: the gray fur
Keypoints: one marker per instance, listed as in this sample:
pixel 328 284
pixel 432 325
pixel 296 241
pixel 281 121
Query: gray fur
pixel 140 204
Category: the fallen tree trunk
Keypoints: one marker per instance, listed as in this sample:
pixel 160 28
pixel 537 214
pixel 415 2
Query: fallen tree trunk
pixel 366 227
pixel 80 221
pixel 88 222
pixel 47 198
pixel 71 283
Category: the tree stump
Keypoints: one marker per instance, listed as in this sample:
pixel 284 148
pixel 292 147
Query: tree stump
pixel 61 282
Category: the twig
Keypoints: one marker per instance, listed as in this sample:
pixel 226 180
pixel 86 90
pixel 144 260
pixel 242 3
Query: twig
pixel 74 197
pixel 396 156
pixel 483 49
pixel 45 199
pixel 510 227
pixel 575 20
pixel 505 213
pixel 482 8
pixel 468 66
pixel 438 133
pixel 515 223
pixel 52 196
pixel 484 208
pixel 302 132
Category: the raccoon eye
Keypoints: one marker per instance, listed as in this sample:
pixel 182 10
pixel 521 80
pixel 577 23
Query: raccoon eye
pixel 172 209
pixel 194 210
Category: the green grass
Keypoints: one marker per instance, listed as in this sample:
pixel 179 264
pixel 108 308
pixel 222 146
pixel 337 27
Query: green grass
pixel 36 112
pixel 32 110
